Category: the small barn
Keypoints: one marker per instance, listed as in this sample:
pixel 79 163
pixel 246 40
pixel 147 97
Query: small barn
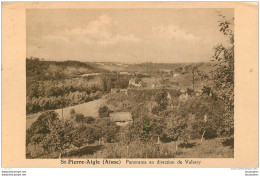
pixel 121 118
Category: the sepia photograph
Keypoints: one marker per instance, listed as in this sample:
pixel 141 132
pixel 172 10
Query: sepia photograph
pixel 130 83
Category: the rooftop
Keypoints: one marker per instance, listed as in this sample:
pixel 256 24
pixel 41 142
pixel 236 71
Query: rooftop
pixel 121 116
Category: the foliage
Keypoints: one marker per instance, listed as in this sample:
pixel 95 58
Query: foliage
pixel 82 135
pixel 107 130
pixel 39 69
pixel 190 92
pixel 103 111
pixel 52 84
pixel 89 119
pixel 223 75
pixel 138 80
pixel 72 113
pixel 175 93
pixel 206 90
pixel 50 135
pixel 79 118
pixel 161 99
pixel 47 95
pixel 122 81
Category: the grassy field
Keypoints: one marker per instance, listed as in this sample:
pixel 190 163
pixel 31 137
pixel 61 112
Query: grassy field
pixel 87 109
pixel 214 148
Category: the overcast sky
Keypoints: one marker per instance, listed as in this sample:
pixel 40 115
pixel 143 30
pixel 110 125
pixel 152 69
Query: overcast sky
pixel 124 35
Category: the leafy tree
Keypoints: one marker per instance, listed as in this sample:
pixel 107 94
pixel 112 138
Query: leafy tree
pixel 72 113
pixel 175 128
pixel 141 129
pixel 106 129
pixel 157 126
pixel 107 84
pixel 50 133
pixel 156 110
pixel 121 81
pixel 207 116
pixel 174 93
pixel 138 80
pixel 223 75
pixel 79 118
pixel 82 135
pixel 190 92
pixel 206 90
pixel 89 119
pixel 161 99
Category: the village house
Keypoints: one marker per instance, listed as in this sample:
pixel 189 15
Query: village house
pixel 175 75
pixel 166 71
pixel 114 90
pixel 132 82
pixel 184 95
pixel 121 118
pixel 90 74
pixel 123 73
pixel 198 92
pixel 154 85
pixel 124 91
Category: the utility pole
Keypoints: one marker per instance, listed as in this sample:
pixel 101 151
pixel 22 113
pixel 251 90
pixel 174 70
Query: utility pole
pixel 63 99
pixel 193 76
pixel 193 79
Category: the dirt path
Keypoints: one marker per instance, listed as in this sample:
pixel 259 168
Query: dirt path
pixel 88 109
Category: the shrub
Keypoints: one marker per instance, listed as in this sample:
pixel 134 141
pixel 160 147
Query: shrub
pixel 156 110
pixel 79 118
pixel 103 111
pixel 210 133
pixel 72 113
pixel 89 119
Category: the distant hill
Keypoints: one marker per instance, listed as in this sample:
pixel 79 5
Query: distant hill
pixel 39 70
pixel 150 67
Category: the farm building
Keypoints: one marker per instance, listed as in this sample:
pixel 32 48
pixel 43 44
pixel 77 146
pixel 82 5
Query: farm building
pixel 121 118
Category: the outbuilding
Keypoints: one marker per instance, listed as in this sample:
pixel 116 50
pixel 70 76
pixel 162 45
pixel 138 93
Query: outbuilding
pixel 121 118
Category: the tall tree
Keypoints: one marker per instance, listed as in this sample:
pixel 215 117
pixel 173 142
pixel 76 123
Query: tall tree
pixel 223 75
